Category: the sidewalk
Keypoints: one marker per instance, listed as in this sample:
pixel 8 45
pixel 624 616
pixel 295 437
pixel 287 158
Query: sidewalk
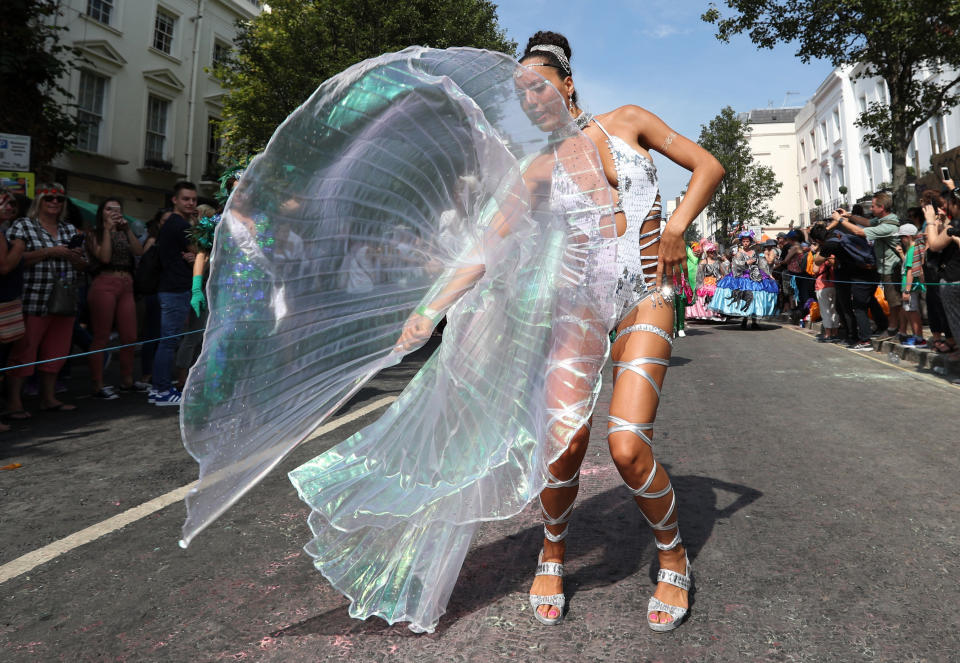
pixel 922 358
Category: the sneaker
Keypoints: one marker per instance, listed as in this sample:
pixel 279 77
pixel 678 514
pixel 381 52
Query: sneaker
pixel 106 394
pixel 860 347
pixel 681 333
pixel 909 342
pixel 919 342
pixel 152 396
pixel 169 397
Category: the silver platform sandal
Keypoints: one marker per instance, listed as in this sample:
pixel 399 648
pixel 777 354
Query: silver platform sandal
pixel 683 581
pixel 553 568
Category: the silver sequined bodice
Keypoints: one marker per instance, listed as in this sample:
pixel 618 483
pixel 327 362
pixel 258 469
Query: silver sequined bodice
pixel 639 190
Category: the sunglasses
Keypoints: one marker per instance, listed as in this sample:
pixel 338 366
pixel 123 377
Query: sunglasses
pixel 54 199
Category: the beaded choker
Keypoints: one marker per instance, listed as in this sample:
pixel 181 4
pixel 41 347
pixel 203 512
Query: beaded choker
pixel 583 119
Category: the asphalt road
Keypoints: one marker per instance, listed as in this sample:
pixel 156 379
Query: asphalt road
pixel 818 498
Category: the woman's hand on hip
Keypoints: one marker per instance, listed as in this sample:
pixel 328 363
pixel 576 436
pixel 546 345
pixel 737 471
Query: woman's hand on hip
pixel 671 257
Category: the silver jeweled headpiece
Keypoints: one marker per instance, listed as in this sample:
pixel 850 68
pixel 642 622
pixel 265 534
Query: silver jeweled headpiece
pixel 557 51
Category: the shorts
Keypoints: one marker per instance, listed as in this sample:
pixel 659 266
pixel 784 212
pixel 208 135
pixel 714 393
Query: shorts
pixel 892 293
pixel 912 305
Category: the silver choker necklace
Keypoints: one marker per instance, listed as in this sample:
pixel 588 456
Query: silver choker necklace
pixel 583 119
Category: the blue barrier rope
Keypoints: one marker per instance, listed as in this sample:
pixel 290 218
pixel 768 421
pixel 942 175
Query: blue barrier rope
pixel 94 352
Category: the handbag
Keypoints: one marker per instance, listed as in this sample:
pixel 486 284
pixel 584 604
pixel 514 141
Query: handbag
pixel 11 321
pixel 64 298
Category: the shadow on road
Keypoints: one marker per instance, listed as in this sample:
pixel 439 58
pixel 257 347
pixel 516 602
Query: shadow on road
pixel 609 543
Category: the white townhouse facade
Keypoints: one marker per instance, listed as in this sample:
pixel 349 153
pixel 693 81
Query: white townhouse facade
pixel 833 151
pixel 817 149
pixel 773 143
pixel 147 101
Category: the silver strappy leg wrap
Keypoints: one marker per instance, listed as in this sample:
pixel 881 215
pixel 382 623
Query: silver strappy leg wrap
pixel 683 581
pixel 553 568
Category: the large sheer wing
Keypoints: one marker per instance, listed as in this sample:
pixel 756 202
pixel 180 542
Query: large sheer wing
pixel 405 182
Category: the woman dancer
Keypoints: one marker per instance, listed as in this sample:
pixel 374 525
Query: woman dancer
pixel 527 283
pixel 748 290
pixel 709 272
pixel 641 352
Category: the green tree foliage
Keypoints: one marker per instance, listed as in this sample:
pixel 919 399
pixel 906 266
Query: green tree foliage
pixel 283 56
pixel 744 194
pixel 33 63
pixel 908 43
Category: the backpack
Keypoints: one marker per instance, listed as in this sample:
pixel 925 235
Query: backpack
pixel 858 249
pixel 146 279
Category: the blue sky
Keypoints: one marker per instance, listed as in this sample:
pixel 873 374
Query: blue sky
pixel 659 54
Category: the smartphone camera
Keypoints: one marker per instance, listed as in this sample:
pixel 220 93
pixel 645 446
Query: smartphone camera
pixel 945 173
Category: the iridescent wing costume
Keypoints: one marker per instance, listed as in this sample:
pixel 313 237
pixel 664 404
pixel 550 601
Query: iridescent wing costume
pixel 411 182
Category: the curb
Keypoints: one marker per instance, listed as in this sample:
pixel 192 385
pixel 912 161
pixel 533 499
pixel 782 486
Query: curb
pixel 925 360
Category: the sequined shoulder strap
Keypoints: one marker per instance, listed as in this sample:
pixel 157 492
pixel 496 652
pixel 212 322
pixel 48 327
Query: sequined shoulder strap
pixel 605 132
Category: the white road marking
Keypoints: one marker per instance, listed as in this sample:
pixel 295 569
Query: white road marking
pixel 31 560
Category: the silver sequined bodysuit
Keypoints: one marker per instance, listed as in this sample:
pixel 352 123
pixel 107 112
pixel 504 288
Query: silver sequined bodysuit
pixel 639 193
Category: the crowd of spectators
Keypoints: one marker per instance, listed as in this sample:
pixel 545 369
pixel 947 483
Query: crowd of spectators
pixel 870 274
pixel 69 286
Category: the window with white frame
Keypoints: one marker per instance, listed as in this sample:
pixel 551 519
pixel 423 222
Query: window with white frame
pixel 823 134
pixel 157 111
pixel 163 29
pixel 803 151
pixel 212 165
pixel 827 189
pixel 863 103
pixel 100 10
pixel 941 132
pixel 90 98
pixel 813 144
pixel 836 123
pixel 221 52
pixel 840 181
pixel 868 171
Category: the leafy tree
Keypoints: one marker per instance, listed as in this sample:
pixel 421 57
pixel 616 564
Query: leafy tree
pixel 32 66
pixel 912 44
pixel 744 194
pixel 283 55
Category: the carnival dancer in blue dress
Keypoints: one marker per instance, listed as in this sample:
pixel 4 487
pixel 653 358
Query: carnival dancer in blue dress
pixel 748 291
pixel 556 245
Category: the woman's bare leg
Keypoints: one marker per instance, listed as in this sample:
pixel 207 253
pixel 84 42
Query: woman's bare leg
pixel 577 356
pixel 641 355
pixel 556 502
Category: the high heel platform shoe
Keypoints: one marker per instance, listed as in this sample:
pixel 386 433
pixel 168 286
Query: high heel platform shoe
pixel 683 581
pixel 553 568
pixel 557 600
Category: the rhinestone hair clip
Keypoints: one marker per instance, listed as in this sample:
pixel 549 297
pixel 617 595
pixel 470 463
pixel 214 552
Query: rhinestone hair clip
pixel 556 51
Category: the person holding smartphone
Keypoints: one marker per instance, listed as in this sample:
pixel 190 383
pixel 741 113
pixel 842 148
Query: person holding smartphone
pixel 942 216
pixel 43 238
pixel 112 246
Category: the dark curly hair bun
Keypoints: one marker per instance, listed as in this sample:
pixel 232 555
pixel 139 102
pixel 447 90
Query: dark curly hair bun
pixel 547 38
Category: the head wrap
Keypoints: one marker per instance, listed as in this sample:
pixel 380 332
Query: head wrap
pixel 707 246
